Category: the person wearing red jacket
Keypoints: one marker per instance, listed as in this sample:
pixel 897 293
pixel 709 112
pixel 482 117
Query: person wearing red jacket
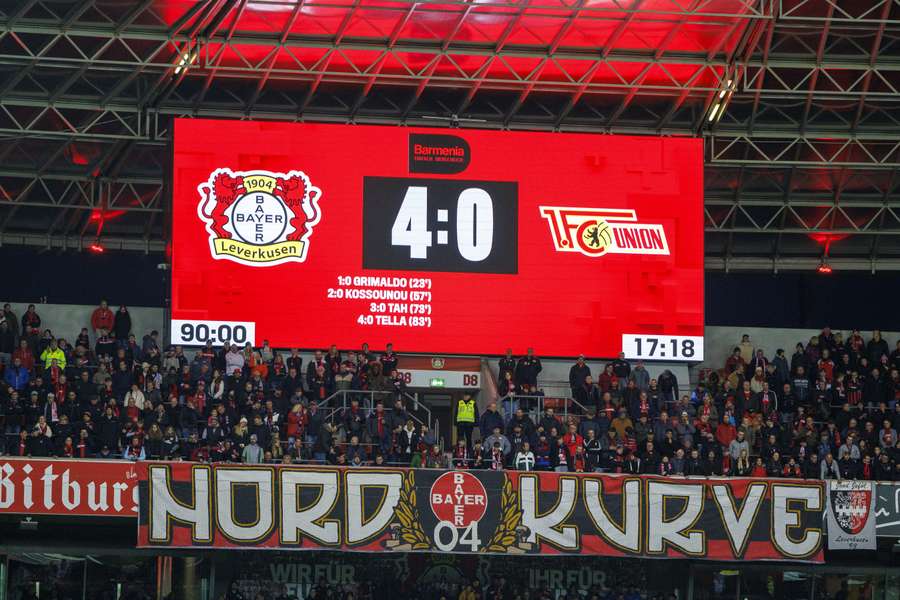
pixel 102 318
pixel 572 440
pixel 726 431
pixel 25 356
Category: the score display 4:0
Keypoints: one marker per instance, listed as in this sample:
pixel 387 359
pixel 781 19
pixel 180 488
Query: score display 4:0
pixel 198 333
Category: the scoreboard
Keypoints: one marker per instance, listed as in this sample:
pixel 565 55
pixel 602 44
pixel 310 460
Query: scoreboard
pixel 439 241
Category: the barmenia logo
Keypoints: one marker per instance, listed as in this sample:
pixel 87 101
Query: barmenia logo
pixel 598 231
pixel 259 218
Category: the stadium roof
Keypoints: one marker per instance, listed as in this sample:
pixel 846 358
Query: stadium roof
pixel 797 100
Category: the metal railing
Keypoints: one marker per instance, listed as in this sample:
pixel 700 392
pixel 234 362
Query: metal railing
pixel 534 405
pixel 340 400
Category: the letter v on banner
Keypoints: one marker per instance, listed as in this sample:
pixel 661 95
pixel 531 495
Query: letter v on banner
pixel 739 522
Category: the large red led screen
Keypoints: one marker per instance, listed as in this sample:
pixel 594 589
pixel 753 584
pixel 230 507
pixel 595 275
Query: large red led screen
pixel 440 241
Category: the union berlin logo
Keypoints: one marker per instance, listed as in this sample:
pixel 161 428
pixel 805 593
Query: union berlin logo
pixel 259 218
pixel 598 231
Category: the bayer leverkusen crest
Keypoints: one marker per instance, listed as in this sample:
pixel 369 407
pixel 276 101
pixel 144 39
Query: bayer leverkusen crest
pixel 259 218
pixel 851 508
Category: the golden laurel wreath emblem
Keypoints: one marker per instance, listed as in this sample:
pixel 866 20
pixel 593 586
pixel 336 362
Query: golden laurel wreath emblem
pixel 407 534
pixel 510 536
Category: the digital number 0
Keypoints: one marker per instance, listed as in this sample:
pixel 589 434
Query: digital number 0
pixel 474 224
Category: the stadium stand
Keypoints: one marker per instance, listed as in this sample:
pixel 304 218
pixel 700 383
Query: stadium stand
pixel 825 409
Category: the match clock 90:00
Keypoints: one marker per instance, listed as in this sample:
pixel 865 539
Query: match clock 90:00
pixel 420 224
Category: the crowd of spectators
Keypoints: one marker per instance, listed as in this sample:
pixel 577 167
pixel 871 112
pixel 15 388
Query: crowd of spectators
pixel 829 410
pixel 497 589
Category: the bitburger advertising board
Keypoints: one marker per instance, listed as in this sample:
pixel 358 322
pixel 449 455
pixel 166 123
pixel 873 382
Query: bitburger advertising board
pixel 404 510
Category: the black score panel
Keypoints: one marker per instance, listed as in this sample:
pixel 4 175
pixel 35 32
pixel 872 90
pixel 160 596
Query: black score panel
pixel 417 224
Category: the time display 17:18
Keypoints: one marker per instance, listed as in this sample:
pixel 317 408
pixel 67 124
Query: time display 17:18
pixel 662 347
pixel 440 225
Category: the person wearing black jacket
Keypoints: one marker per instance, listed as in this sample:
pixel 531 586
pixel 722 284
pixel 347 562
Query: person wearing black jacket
pixel 587 394
pixel 884 468
pixel 578 374
pixel 528 368
pixel 811 468
pixel 876 348
pixel 621 367
pixel 692 463
pixel 650 459
pixel 711 465
pixel 668 387
pixel 592 452
pixel 506 365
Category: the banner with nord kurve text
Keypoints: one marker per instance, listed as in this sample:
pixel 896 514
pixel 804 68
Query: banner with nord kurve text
pixel 404 510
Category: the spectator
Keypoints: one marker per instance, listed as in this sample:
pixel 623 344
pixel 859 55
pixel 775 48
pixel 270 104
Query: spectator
pixel 497 437
pixel 102 318
pixel 524 460
pixel 252 453
pixel 829 468
pixel 506 365
pixel 578 373
pixel 746 348
pixel 528 368
pixel 507 391
pixel 16 376
pixel 640 376
pixel 135 450
pixel 53 353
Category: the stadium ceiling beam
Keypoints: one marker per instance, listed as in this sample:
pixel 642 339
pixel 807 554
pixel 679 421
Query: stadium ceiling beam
pixel 843 73
pixel 126 118
pixel 873 12
pixel 804 150
pixel 798 263
pixel 80 243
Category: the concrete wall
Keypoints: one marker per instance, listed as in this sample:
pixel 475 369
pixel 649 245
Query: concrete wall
pixel 554 378
pixel 66 320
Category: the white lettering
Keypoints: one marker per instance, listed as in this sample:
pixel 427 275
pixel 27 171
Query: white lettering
pixel 164 505
pixel 262 481
pixel 296 522
pixel 660 530
pixel 738 525
pixel 357 531
pixel 71 492
pixel 785 518
pixel 549 526
pixel 628 534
